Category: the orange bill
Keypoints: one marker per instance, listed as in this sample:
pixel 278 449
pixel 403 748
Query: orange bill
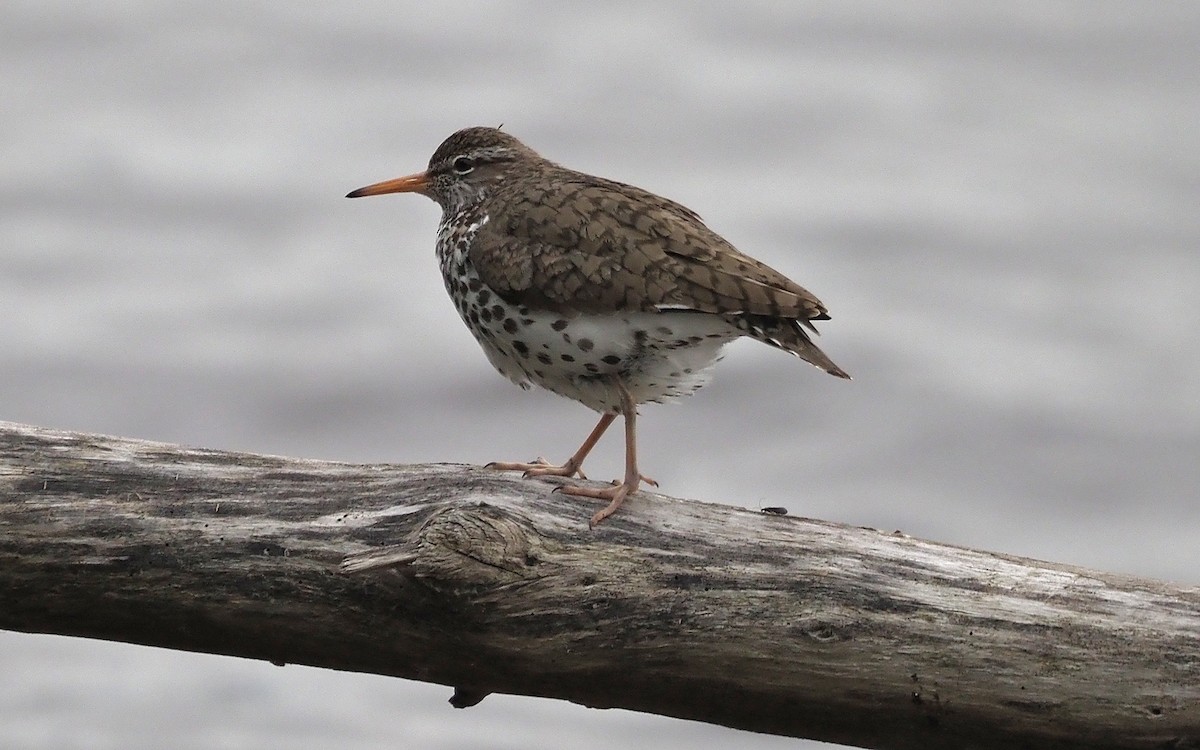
pixel 414 183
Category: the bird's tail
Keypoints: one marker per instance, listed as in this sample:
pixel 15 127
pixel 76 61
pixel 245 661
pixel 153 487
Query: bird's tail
pixel 789 335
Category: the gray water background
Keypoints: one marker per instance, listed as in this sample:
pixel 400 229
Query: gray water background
pixel 998 203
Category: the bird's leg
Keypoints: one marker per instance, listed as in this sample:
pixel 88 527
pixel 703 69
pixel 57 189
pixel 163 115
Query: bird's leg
pixel 616 494
pixel 573 465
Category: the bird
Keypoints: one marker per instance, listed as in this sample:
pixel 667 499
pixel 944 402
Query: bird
pixel 596 290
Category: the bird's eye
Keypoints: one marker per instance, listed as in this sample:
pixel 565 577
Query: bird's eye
pixel 463 165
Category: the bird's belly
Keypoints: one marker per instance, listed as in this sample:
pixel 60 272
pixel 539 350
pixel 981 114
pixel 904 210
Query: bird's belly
pixel 656 356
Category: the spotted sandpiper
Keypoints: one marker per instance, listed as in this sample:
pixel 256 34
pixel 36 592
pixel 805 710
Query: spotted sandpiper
pixel 596 290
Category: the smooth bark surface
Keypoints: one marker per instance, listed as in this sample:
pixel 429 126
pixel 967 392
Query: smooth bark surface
pixel 491 583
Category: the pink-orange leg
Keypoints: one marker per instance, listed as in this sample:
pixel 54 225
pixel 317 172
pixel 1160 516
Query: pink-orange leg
pixel 616 494
pixel 573 465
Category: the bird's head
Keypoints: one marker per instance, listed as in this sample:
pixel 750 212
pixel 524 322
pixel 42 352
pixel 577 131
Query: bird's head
pixel 463 170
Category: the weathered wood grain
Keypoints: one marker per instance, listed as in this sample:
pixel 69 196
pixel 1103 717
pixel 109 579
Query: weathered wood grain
pixel 490 583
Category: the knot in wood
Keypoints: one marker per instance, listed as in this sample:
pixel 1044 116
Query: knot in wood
pixel 479 546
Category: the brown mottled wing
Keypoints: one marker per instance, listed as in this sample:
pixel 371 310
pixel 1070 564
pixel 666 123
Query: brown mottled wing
pixel 578 243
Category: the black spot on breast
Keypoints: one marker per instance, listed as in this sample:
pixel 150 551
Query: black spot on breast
pixel 544 358
pixel 486 315
pixel 567 358
pixel 498 311
pixel 559 324
pixel 521 348
pixel 510 325
pixel 611 359
pixel 474 285
pixel 586 345
pixel 484 296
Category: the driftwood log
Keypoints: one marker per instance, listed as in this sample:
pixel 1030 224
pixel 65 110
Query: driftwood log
pixel 491 583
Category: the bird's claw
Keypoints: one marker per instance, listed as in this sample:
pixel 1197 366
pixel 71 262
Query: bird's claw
pixel 643 477
pixel 538 467
pixel 615 495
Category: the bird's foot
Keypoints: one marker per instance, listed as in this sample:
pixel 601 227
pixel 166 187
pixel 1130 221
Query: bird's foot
pixel 540 467
pixel 615 495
